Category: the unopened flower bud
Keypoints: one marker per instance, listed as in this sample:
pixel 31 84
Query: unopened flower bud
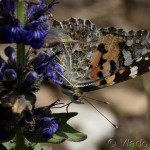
pixel 31 77
pixel 10 75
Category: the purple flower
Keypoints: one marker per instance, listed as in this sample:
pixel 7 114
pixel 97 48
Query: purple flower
pixel 13 32
pixel 35 35
pixel 50 126
pixel 26 79
pixel 36 11
pixel 53 72
pixel 36 23
pixel 11 54
pixel 45 63
pixel 10 75
pixel 40 122
pixel 7 68
pixel 13 79
pixel 3 64
pixel 8 8
pixel 51 5
pixel 8 13
pixel 31 77
pixel 40 58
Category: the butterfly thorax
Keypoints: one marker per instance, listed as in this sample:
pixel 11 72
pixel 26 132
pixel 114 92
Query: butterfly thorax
pixel 75 94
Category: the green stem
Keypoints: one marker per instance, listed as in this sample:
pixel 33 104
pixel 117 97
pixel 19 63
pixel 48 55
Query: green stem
pixel 147 95
pixel 20 47
pixel 20 142
pixel 21 12
pixel 20 55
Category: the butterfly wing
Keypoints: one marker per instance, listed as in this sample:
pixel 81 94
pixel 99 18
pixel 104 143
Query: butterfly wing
pixel 77 55
pixel 120 56
pixel 102 57
pixel 138 67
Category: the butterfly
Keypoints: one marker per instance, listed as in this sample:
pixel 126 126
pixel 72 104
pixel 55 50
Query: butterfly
pixel 99 57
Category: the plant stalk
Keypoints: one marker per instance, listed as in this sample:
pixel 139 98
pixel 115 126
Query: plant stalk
pixel 21 46
pixel 148 97
pixel 19 139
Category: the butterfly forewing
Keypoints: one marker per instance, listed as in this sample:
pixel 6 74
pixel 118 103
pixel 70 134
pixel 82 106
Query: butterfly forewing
pixel 78 54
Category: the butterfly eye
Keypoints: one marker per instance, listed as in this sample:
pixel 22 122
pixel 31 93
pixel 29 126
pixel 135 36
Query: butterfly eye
pixel 76 96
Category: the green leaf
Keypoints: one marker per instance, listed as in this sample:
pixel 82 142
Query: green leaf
pixel 35 146
pixel 39 147
pixel 71 134
pixel 2 147
pixel 65 131
pixel 9 145
pixel 55 139
pixel 65 116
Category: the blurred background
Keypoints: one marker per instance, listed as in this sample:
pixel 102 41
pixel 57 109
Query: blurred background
pixel 128 102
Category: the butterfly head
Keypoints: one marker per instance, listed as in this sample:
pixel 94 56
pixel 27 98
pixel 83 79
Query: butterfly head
pixel 74 94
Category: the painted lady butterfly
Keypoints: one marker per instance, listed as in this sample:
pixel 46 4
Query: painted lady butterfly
pixel 100 57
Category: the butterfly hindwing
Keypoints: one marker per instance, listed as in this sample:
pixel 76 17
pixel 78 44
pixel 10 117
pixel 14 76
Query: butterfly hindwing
pixel 138 67
pixel 118 49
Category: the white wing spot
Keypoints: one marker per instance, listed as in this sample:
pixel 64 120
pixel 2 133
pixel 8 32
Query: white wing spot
pixel 146 58
pixel 127 57
pixel 139 59
pixel 134 72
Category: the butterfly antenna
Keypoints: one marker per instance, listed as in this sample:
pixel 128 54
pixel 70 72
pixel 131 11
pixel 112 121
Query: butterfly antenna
pixel 53 2
pixel 104 102
pixel 101 114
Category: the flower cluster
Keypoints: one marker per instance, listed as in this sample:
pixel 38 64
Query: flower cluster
pixel 21 76
pixel 28 77
pixel 35 27
pixel 34 121
pixel 19 82
pixel 45 126
pixel 17 87
pixel 45 63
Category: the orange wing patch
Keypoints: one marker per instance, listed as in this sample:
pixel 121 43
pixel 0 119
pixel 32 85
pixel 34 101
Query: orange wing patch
pixel 106 55
pixel 111 79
